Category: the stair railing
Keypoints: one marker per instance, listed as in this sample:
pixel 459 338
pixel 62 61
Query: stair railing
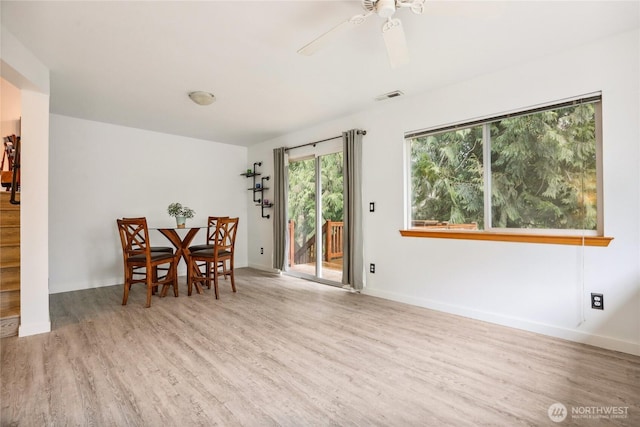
pixel 332 232
pixel 12 151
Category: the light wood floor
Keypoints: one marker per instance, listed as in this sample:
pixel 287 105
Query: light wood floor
pixel 284 351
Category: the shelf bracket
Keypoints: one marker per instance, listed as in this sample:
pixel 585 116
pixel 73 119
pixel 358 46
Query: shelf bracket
pixel 262 206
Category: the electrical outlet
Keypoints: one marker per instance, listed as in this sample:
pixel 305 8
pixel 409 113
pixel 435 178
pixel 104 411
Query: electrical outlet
pixel 597 301
pixel 261 251
pixel 372 206
pixel 372 268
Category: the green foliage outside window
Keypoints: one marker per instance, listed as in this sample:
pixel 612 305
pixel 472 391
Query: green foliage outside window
pixel 302 194
pixel 542 166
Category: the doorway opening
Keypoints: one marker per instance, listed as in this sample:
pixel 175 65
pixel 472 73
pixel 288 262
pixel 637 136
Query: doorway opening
pixel 315 214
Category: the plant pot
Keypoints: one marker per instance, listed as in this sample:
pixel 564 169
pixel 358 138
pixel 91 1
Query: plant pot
pixel 181 221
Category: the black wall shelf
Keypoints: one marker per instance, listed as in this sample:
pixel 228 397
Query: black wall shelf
pixel 258 189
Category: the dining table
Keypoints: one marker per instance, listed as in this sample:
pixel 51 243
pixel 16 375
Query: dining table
pixel 181 241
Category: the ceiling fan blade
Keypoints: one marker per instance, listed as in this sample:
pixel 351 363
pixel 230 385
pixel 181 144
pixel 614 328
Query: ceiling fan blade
pixel 326 38
pixel 396 42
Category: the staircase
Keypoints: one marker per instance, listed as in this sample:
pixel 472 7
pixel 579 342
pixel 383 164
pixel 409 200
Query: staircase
pixel 9 266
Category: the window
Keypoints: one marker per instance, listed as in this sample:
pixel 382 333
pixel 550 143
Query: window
pixel 535 171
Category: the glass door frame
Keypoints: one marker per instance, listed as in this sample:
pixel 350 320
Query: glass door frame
pixel 307 153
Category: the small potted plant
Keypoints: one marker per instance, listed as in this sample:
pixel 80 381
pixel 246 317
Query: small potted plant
pixel 181 213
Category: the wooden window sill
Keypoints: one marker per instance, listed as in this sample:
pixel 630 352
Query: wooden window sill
pixel 510 237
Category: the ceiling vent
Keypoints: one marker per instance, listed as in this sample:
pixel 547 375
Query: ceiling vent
pixel 394 94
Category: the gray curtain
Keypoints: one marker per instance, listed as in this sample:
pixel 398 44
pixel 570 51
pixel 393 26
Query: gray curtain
pixel 280 234
pixel 353 259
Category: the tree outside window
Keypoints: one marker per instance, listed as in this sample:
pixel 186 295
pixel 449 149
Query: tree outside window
pixel 541 172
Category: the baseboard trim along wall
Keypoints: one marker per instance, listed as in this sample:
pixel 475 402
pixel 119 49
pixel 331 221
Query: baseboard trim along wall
pixel 25 330
pixel 264 268
pixel 527 325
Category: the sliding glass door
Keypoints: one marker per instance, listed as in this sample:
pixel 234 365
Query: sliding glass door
pixel 315 207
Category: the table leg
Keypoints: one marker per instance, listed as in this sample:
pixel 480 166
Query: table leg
pixel 182 247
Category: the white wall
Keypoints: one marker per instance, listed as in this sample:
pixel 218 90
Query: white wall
pixel 34 209
pixel 23 70
pixel 101 172
pixel 541 288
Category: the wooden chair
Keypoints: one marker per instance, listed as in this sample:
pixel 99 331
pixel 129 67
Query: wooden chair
pixel 212 221
pixel 156 248
pixel 217 260
pixel 141 264
pixel 167 249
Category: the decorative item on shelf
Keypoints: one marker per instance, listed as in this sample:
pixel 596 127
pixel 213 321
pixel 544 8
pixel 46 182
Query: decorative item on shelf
pixel 252 172
pixel 181 213
pixel 258 185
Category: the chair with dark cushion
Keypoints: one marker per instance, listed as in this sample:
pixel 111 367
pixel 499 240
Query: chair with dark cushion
pixel 156 248
pixel 212 221
pixel 141 264
pixel 216 260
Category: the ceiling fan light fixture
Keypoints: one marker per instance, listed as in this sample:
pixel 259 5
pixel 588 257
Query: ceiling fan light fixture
pixel 202 98
pixel 385 8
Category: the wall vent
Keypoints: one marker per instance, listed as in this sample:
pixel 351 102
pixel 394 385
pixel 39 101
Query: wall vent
pixel 394 94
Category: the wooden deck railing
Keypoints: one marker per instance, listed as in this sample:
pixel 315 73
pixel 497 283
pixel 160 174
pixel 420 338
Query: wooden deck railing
pixel 306 253
pixel 333 243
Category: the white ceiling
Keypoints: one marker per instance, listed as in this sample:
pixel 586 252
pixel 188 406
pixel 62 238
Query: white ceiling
pixel 133 63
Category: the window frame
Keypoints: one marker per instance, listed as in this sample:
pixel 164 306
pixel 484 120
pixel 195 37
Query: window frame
pixel 554 236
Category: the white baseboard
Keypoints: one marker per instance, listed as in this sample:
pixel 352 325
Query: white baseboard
pixel 264 268
pixel 513 322
pixel 25 330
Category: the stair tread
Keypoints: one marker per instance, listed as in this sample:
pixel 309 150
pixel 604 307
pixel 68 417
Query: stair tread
pixel 9 313
pixel 10 264
pixel 9 268
pixel 10 284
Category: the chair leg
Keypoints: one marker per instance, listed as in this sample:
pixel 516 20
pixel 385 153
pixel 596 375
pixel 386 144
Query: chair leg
pixel 127 286
pixel 154 279
pixel 149 291
pixel 208 267
pixel 125 297
pixel 233 279
pixel 215 283
pixel 175 279
pixel 190 274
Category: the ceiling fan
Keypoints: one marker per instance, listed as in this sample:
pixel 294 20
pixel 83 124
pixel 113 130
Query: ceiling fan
pixel 392 30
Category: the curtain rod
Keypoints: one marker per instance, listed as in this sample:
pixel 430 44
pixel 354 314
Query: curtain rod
pixel 583 99
pixel 360 132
